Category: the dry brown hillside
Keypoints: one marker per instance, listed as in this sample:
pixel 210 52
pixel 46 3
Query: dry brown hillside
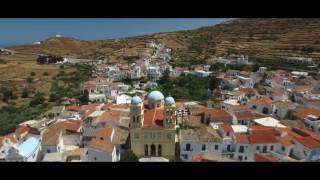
pixel 263 37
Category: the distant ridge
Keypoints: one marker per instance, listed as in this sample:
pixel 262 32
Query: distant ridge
pixel 265 37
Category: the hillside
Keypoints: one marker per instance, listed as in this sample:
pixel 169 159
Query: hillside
pixel 262 37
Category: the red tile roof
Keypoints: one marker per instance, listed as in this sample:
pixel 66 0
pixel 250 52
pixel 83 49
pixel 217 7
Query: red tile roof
pixel 22 130
pixel 73 126
pixel 218 114
pixel 112 117
pixel 101 145
pixel 244 115
pixel 262 138
pixel 264 100
pixel 104 132
pixel 153 118
pixel 304 113
pixel 265 158
pixel 227 128
pixel 308 142
pixel 248 90
pixel 285 140
pixel 242 138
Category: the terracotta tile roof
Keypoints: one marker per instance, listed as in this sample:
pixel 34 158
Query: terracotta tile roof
pixel 153 118
pixel 101 145
pixel 218 115
pixel 73 108
pixel 242 138
pixel 285 140
pixel 264 100
pixel 239 108
pixel 308 142
pixel 245 115
pixel 248 90
pixel 262 137
pixel 226 128
pixel 104 132
pixel 73 126
pixel 265 158
pixel 304 113
pixel 111 117
pixel 51 134
pixel 22 129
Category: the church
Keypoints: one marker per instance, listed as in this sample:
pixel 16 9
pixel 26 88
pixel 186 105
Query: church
pixel 152 126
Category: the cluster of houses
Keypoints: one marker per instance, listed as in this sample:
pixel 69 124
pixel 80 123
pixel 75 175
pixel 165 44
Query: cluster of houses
pixel 263 116
pixel 99 134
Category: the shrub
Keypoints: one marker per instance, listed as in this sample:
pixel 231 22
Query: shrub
pixel 45 73
pixel 37 99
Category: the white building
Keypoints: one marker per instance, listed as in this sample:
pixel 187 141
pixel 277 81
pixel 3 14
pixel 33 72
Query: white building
pixel 312 122
pixel 199 141
pixel 101 151
pixel 269 122
pixel 28 151
pixel 97 97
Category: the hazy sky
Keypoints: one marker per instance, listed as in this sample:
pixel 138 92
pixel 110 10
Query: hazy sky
pixel 26 30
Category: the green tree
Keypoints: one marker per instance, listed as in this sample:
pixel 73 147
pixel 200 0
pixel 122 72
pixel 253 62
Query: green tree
pixel 166 77
pixel 84 99
pixel 213 82
pixel 37 99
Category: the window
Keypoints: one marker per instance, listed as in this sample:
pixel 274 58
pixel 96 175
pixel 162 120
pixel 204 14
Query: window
pixel 271 148
pixel 159 135
pixel 95 158
pixel 258 148
pixel 188 147
pixel 101 138
pixel 169 136
pixel 216 147
pixel 264 149
pixel 283 148
pixel 228 134
pixel 203 147
pixel 254 107
pixel 245 158
pixel 146 150
pixel 241 149
pixel 48 151
pixel 160 150
pixel 136 135
pixel 145 135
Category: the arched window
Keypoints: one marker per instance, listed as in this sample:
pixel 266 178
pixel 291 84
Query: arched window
pixel 153 150
pixel 160 150
pixel 146 153
pixel 134 119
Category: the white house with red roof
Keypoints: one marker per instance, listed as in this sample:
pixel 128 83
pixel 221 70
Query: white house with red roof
pixel 306 145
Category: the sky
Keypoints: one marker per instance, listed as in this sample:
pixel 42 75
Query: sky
pixel 25 30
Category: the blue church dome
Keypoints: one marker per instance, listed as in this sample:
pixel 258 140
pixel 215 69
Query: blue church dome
pixel 169 100
pixel 136 100
pixel 155 96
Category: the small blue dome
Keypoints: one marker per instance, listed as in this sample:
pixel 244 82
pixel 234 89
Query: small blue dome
pixel 169 100
pixel 155 96
pixel 136 100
